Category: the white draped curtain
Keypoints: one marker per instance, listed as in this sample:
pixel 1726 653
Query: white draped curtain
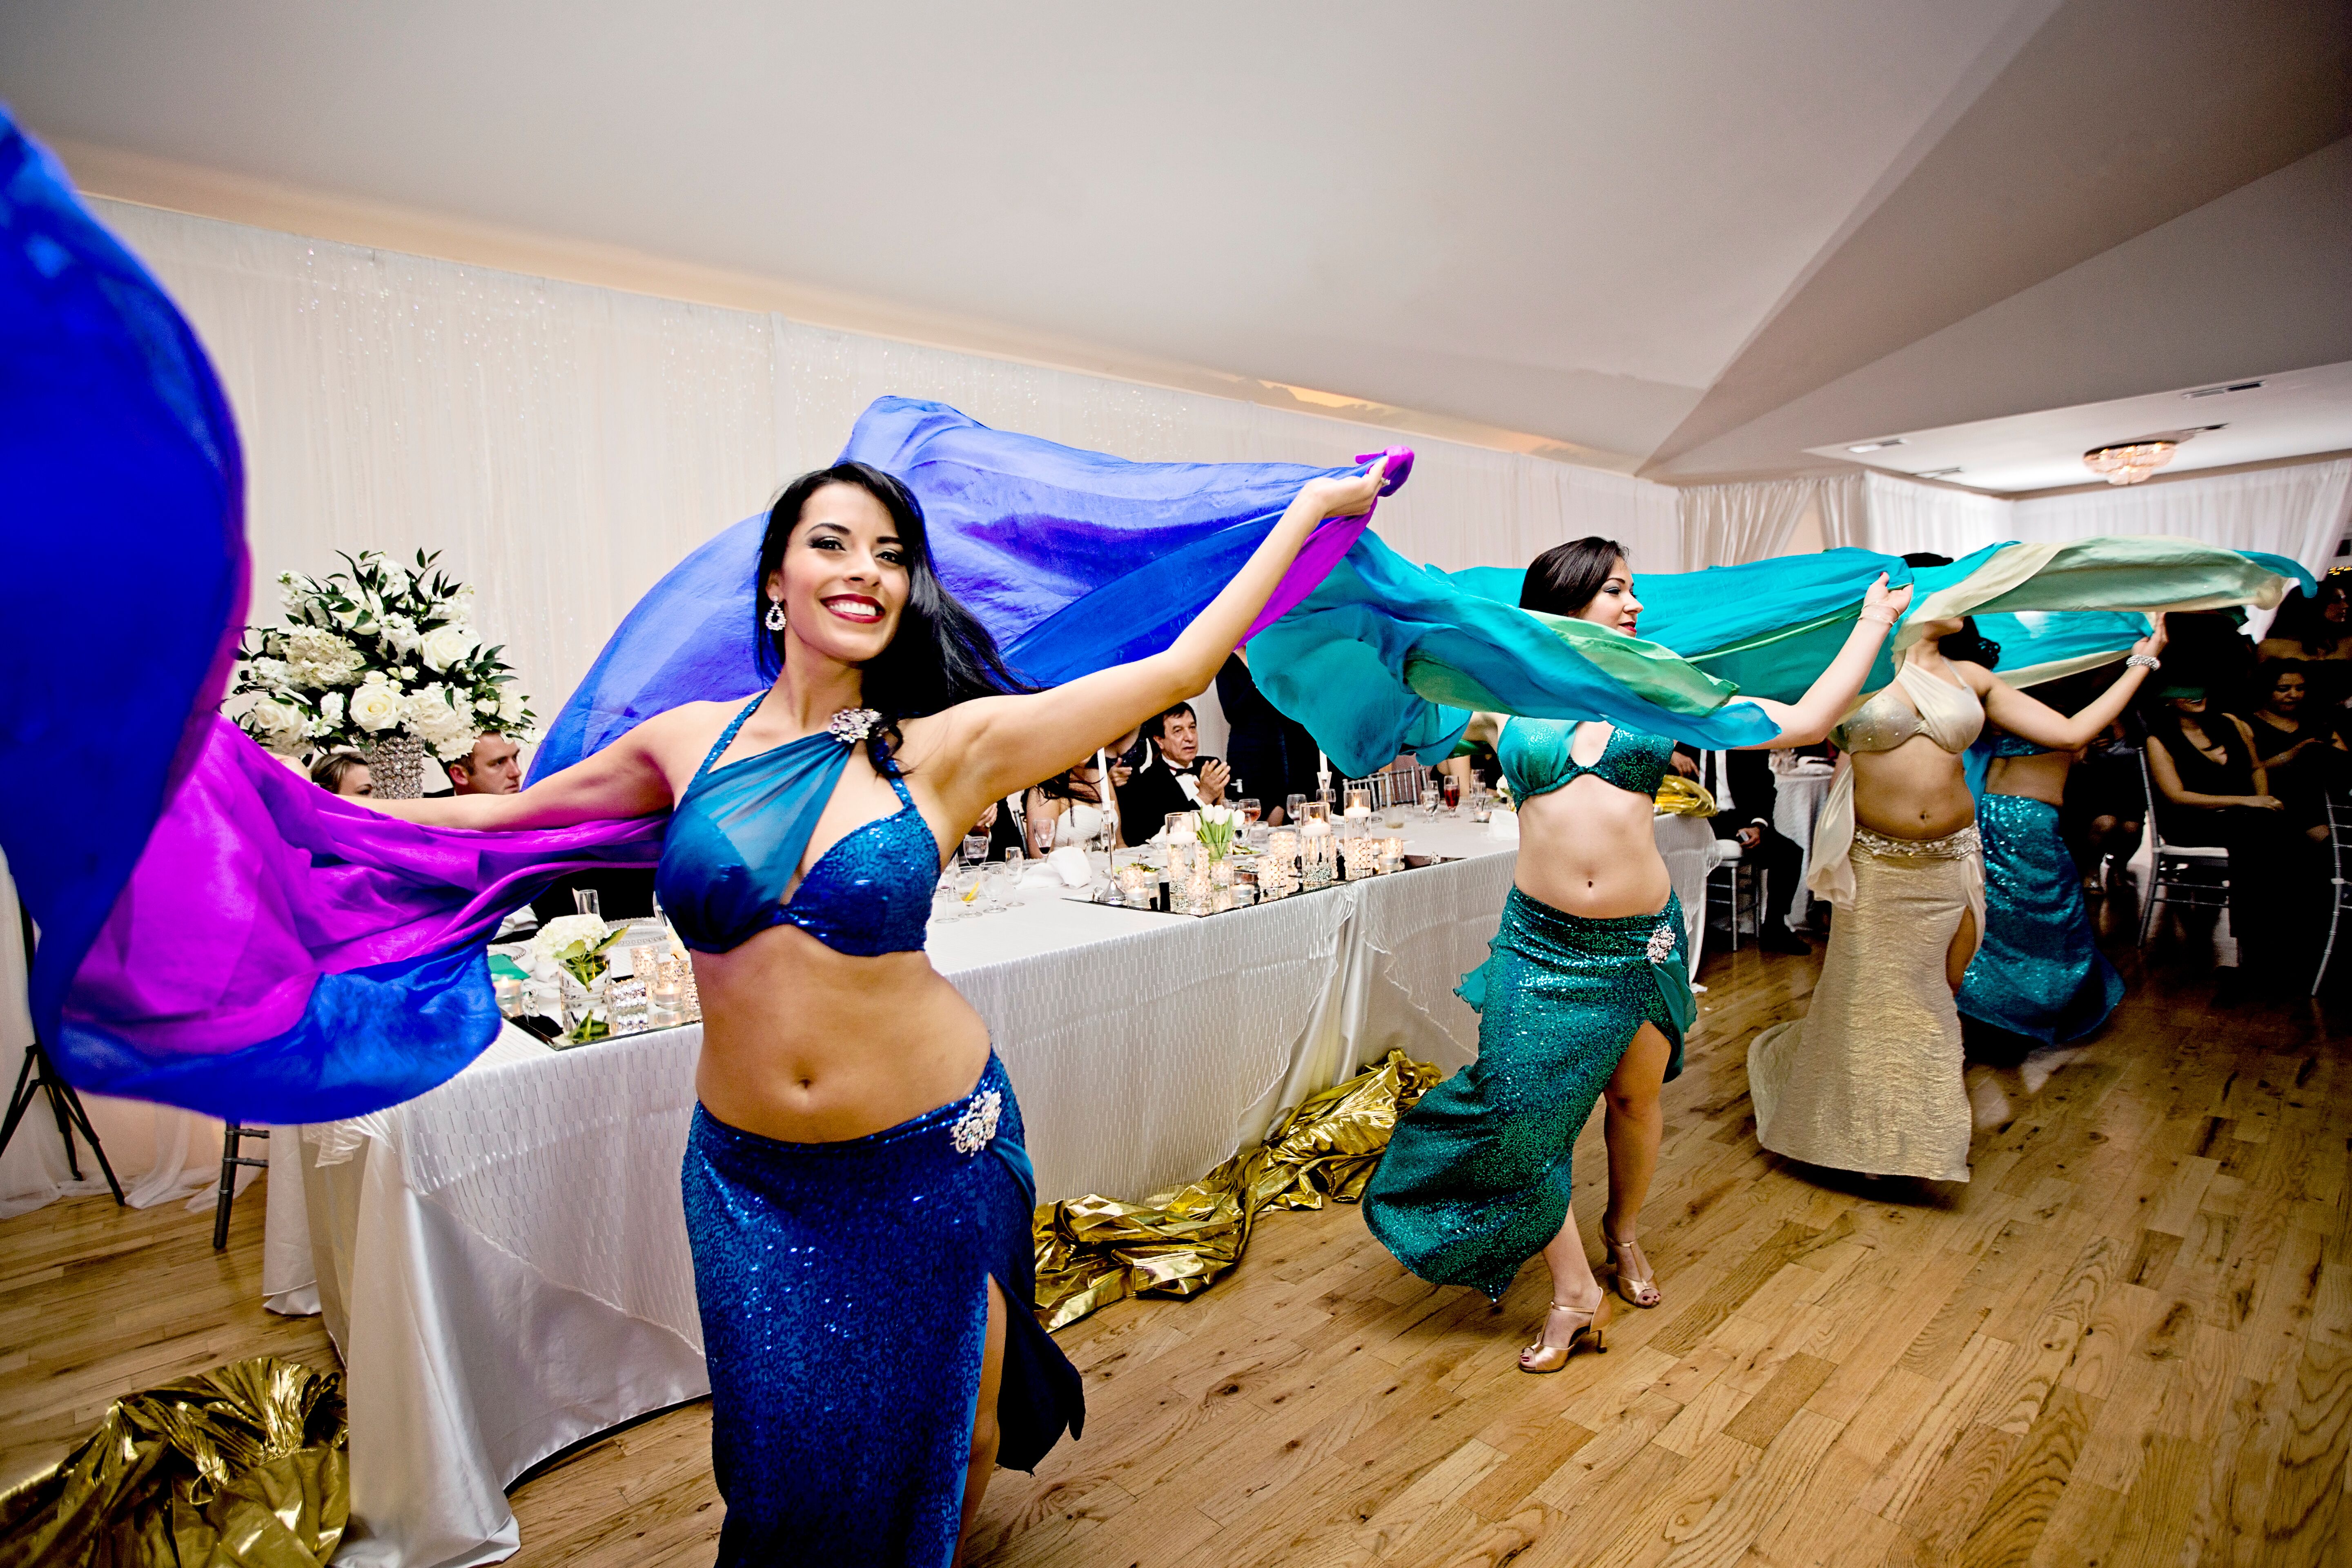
pixel 1725 525
pixel 562 446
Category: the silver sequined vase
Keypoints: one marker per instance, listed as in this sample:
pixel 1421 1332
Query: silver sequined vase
pixel 396 767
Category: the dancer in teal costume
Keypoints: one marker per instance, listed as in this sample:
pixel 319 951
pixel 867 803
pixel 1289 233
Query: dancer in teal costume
pixel 1587 987
pixel 2038 971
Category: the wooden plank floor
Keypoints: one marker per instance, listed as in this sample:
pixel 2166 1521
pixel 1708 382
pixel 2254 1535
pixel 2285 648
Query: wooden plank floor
pixel 2127 1340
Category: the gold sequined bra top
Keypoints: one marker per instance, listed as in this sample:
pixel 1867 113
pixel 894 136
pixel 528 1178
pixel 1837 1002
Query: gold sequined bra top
pixel 1947 714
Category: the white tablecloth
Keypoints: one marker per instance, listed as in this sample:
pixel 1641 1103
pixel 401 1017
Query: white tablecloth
pixel 503 1262
pixel 1796 803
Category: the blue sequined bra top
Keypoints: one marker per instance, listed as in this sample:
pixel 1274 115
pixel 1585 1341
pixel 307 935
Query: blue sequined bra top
pixel 1536 757
pixel 2005 744
pixel 738 834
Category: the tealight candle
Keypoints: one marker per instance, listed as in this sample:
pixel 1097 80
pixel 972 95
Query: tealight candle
pixel 509 992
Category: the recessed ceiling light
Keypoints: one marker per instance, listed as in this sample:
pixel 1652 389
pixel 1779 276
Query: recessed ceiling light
pixel 1877 445
pixel 2221 391
pixel 1935 473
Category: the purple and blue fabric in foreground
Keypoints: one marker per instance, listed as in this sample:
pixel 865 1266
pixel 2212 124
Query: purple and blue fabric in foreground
pixel 218 933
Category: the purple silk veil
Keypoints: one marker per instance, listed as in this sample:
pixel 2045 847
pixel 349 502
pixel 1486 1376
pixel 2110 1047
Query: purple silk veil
pixel 219 934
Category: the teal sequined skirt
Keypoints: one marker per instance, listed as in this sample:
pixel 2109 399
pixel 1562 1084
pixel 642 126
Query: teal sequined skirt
pixel 2039 971
pixel 1476 1178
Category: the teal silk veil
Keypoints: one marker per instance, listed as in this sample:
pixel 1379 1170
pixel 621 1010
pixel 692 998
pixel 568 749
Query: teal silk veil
pixel 1386 657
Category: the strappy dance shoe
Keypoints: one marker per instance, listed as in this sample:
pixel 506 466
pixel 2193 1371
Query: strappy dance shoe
pixel 1541 1357
pixel 1631 1268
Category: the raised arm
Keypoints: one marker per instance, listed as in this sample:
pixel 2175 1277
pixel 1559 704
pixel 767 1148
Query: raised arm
pixel 2036 720
pixel 1002 743
pixel 622 781
pixel 1808 720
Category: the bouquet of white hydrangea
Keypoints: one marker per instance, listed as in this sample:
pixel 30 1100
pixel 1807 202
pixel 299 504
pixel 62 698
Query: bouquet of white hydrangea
pixel 380 650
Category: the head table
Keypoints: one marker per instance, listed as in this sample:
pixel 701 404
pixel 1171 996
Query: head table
pixel 503 1262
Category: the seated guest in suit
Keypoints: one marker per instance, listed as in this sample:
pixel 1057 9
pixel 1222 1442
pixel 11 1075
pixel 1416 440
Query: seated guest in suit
pixel 1747 821
pixel 493 767
pixel 1171 776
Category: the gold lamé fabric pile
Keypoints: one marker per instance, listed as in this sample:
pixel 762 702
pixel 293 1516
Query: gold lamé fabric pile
pixel 241 1466
pixel 1679 796
pixel 1092 1251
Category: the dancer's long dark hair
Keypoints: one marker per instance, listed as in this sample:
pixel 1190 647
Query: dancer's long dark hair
pixel 1563 579
pixel 1968 644
pixel 941 655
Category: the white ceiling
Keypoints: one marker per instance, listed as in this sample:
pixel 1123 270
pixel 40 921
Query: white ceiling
pixel 2291 414
pixel 1638 231
pixel 1559 217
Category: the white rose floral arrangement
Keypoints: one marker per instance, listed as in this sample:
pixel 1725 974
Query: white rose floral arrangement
pixel 378 650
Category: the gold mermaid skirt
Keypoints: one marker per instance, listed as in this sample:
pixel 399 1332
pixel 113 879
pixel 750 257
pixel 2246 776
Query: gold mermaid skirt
pixel 1869 1080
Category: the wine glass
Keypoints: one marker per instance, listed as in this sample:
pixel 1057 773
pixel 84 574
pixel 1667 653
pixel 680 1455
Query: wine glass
pixel 1451 784
pixel 1250 811
pixel 1294 809
pixel 1429 801
pixel 975 846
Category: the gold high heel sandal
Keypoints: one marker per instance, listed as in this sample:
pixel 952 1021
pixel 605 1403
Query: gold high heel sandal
pixel 1640 1289
pixel 1551 1358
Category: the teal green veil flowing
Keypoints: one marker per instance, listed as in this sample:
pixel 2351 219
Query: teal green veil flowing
pixel 1386 657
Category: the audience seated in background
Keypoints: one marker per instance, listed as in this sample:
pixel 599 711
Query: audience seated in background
pixel 493 767
pixel 1272 757
pixel 1171 775
pixel 1747 821
pixel 2211 791
pixel 2299 752
pixel 342 772
pixel 2317 631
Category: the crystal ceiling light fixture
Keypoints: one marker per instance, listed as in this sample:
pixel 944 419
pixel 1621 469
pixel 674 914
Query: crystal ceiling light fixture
pixel 2130 462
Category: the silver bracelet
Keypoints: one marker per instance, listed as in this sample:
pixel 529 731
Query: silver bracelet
pixel 2143 662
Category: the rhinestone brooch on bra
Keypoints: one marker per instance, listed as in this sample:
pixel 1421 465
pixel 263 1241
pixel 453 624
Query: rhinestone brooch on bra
pixel 977 1125
pixel 852 725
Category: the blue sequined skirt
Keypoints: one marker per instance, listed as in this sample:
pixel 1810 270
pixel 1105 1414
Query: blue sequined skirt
pixel 2039 971
pixel 843 1315
pixel 1476 1179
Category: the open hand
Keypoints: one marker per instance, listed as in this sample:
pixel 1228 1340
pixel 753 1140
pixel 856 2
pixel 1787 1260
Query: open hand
pixel 2152 645
pixel 1211 782
pixel 2266 802
pixel 1685 764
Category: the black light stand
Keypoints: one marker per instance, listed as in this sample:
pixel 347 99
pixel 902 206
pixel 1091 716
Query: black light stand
pixel 40 1075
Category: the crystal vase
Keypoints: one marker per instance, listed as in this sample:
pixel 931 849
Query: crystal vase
pixel 587 1004
pixel 396 767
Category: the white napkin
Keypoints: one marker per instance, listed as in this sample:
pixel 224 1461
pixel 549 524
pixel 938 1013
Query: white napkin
pixel 1071 863
pixel 1503 825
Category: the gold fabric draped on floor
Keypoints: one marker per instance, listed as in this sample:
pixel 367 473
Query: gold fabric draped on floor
pixel 241 1466
pixel 1092 1251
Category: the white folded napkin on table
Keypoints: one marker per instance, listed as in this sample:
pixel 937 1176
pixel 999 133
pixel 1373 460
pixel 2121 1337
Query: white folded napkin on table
pixel 1071 863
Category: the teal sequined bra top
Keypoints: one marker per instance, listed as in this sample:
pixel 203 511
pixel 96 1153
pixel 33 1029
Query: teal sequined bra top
pixel 1535 755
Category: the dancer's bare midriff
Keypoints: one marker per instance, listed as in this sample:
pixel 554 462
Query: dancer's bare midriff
pixel 1590 849
pixel 1916 791
pixel 2042 776
pixel 809 1046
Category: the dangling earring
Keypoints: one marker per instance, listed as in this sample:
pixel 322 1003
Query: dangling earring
pixel 775 617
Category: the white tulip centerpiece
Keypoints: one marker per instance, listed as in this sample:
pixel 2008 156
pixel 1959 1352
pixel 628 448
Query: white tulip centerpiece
pixel 382 658
pixel 576 952
pixel 1214 825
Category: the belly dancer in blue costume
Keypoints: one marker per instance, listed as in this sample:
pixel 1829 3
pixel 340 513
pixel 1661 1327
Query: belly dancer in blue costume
pixel 856 1190
pixel 1588 990
pixel 2038 971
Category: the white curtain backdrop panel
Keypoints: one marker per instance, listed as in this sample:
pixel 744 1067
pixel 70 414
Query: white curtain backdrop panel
pixel 565 445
